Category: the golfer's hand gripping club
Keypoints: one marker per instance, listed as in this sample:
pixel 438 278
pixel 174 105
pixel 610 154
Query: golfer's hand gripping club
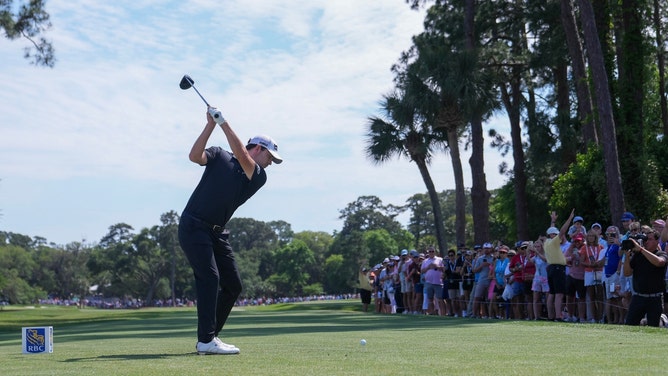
pixel 216 115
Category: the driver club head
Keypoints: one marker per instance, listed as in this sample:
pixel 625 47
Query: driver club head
pixel 187 83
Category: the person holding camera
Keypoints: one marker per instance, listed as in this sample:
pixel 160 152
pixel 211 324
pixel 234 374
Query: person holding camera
pixel 646 262
pixel 432 268
pixel 481 268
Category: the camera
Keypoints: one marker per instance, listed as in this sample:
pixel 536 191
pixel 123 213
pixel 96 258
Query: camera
pixel 628 244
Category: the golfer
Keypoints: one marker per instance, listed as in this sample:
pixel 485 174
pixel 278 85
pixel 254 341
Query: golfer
pixel 229 179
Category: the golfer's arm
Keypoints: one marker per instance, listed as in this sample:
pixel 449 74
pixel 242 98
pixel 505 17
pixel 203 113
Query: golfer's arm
pixel 197 153
pixel 239 150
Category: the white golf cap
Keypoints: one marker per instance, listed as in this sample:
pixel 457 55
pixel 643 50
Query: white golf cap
pixel 267 142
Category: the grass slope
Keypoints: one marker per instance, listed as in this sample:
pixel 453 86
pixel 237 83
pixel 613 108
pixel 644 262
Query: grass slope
pixel 324 339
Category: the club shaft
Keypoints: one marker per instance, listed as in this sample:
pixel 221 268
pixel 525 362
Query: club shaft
pixel 200 95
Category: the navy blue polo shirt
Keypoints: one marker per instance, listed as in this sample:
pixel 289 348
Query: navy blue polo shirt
pixel 223 187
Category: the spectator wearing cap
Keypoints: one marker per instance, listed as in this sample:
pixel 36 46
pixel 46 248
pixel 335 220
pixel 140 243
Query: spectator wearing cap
pixel 432 269
pixel 593 259
pixel 396 284
pixel 528 274
pixel 576 292
pixel 453 277
pixel 647 264
pixel 365 287
pixel 658 225
pixel 599 233
pixel 627 219
pixel 539 285
pixel 389 305
pixel 403 272
pixel 481 268
pixel 611 273
pixel 517 265
pixel 500 267
pixel 577 227
pixel 556 269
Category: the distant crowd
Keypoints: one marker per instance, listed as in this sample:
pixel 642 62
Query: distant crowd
pixel 576 273
pixel 116 303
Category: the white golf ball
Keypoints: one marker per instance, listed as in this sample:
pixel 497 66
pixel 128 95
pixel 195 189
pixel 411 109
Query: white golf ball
pixel 363 342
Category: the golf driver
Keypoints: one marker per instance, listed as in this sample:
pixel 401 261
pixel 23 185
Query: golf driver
pixel 187 83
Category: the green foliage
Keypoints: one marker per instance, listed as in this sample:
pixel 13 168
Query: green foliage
pixel 378 244
pixel 28 21
pixel 314 289
pixel 583 187
pixel 337 279
pixel 502 211
pixel 291 263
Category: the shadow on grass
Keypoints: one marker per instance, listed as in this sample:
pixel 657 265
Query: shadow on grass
pixel 139 357
pixel 252 322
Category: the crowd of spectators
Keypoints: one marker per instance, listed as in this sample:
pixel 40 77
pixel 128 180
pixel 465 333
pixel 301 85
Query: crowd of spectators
pixel 130 303
pixel 576 273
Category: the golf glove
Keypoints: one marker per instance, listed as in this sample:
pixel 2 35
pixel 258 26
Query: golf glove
pixel 216 115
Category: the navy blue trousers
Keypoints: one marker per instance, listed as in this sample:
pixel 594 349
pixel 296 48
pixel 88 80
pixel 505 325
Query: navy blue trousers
pixel 217 279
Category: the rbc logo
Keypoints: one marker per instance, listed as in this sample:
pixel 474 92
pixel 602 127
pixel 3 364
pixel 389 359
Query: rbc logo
pixel 35 340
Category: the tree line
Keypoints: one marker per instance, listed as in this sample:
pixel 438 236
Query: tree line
pixel 273 260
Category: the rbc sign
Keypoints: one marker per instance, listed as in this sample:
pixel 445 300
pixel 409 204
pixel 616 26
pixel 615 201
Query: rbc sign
pixel 37 340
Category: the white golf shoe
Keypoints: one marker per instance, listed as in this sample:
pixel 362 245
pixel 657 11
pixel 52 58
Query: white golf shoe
pixel 216 347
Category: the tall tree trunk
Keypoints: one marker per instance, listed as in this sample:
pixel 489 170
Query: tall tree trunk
pixel 460 192
pixel 585 104
pixel 604 108
pixel 661 61
pixel 479 194
pixel 567 133
pixel 512 99
pixel 631 132
pixel 435 203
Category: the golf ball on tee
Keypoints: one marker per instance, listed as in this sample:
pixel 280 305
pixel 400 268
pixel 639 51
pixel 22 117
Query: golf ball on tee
pixel 363 342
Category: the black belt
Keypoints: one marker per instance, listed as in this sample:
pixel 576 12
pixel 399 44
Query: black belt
pixel 214 228
pixel 655 295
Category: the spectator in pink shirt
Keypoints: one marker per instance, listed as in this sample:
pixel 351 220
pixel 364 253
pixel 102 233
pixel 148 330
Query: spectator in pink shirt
pixel 432 269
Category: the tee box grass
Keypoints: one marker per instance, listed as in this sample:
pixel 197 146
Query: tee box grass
pixel 323 338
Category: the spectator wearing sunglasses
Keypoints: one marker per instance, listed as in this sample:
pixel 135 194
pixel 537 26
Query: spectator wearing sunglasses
pixel 647 264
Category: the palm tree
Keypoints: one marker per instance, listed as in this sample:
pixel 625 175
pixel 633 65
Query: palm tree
pixel 404 133
pixel 449 89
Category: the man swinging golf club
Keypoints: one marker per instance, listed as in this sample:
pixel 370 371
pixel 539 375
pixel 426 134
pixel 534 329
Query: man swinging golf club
pixel 229 179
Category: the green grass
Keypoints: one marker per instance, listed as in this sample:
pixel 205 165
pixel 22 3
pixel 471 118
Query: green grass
pixel 324 339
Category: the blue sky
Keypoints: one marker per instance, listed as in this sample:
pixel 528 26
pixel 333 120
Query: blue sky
pixel 103 137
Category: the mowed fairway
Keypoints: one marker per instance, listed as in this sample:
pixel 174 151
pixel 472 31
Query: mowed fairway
pixel 323 338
